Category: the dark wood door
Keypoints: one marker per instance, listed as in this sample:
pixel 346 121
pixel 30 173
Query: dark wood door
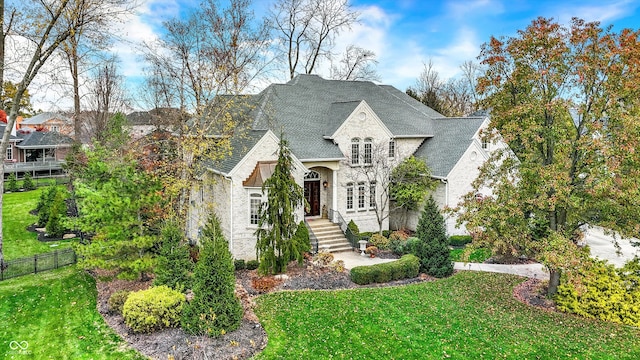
pixel 312 194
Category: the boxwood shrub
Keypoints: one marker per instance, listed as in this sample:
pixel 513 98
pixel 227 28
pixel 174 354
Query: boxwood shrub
pixel 116 301
pixel 404 268
pixel 459 240
pixel 153 309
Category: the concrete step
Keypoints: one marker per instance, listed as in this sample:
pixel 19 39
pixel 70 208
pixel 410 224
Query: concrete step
pixel 329 235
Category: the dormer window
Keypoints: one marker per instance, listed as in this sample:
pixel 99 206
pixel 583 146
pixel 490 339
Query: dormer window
pixel 355 151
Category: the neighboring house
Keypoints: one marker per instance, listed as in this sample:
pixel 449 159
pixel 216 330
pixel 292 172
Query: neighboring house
pixel 36 152
pixel 48 121
pixel 333 128
pixel 143 123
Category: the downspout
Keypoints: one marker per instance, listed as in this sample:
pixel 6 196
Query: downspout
pixel 230 214
pixel 334 191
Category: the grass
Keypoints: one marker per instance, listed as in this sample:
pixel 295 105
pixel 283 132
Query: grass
pixel 55 314
pixel 475 256
pixel 17 241
pixel 470 315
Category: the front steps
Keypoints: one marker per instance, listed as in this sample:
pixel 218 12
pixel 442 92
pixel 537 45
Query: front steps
pixel 329 235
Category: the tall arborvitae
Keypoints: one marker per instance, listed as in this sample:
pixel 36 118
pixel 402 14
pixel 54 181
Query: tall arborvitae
pixel 277 226
pixel 434 248
pixel 214 309
pixel 174 264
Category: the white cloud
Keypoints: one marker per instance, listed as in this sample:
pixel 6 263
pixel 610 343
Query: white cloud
pixel 602 11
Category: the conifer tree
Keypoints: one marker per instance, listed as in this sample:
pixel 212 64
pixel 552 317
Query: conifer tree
pixel 174 264
pixel 277 225
pixel 433 250
pixel 57 212
pixel 214 309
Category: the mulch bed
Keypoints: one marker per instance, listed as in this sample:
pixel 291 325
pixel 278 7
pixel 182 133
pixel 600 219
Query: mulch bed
pixel 251 338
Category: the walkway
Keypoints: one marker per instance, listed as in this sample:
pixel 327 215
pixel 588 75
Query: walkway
pixel 536 271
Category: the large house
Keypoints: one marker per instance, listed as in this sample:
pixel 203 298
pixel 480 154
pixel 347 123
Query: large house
pixel 334 129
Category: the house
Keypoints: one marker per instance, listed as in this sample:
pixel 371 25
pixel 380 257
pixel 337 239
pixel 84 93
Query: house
pixel 47 121
pixel 334 129
pixel 143 123
pixel 40 153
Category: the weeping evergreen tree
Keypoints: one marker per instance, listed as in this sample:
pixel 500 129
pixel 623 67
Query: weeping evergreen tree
pixel 214 309
pixel 433 250
pixel 277 243
pixel 174 264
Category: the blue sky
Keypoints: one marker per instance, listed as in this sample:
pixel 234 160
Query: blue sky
pixel 405 33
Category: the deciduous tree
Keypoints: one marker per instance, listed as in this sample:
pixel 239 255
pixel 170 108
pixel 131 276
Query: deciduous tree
pixel 410 184
pixel 356 64
pixel 306 29
pixel 565 100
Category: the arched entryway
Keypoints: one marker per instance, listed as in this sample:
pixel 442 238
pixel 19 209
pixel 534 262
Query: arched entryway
pixel 312 193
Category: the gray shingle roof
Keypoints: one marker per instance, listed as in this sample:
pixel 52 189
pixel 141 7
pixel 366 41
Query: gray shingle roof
pixel 305 108
pixel 451 139
pixel 44 139
pixel 308 108
pixel 44 117
pixel 240 146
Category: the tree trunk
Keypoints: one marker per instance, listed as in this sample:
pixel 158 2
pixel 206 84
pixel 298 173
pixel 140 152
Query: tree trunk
pixel 554 281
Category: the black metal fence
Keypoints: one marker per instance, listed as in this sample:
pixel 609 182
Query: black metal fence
pixel 336 218
pixel 37 263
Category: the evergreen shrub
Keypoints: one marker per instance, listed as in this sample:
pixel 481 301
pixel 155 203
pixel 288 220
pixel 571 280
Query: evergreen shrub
pixel 406 267
pixel 153 309
pixel 379 241
pixel 116 301
pixel 459 240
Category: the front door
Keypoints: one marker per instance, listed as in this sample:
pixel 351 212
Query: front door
pixel 312 194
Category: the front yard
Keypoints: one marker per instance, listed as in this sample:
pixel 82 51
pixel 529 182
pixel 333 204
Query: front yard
pixel 470 315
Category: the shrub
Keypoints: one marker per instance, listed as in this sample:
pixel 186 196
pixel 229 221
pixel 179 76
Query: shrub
pixel 116 301
pixel 12 183
pixel 433 249
pixel 459 240
pixel 174 264
pixel 598 290
pixel 239 264
pixel 264 284
pixel 27 182
pixel 399 235
pixel 353 227
pixel 47 198
pixel 324 258
pixel 379 241
pixel 337 265
pixel 371 250
pixel 153 309
pixel 57 213
pixel 214 309
pixel 405 268
pixel 252 264
pixel 386 233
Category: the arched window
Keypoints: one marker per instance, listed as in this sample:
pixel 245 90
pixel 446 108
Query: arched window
pixel 355 151
pixel 368 151
pixel 312 175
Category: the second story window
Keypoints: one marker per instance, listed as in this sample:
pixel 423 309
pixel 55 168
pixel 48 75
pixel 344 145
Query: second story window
pixel 355 151
pixel 392 148
pixel 368 151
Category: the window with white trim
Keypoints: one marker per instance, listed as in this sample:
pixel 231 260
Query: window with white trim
pixel 372 195
pixel 485 144
pixel 392 148
pixel 355 151
pixel 9 155
pixel 255 202
pixel 368 151
pixel 350 196
pixel 361 196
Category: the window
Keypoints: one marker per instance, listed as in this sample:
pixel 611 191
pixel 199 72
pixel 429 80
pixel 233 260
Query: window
pixel 9 155
pixel 361 197
pixel 355 151
pixel 55 128
pixel 255 202
pixel 372 195
pixel 392 148
pixel 350 196
pixel 367 151
pixel 485 144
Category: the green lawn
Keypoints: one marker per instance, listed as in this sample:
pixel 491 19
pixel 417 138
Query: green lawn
pixel 17 241
pixel 470 315
pixel 55 314
pixel 476 256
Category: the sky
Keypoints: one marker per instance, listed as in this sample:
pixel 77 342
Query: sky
pixel 404 34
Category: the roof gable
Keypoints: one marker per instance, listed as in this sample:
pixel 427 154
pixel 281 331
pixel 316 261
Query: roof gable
pixel 361 116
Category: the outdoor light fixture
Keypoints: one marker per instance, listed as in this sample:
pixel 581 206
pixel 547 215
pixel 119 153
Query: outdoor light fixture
pixel 325 184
